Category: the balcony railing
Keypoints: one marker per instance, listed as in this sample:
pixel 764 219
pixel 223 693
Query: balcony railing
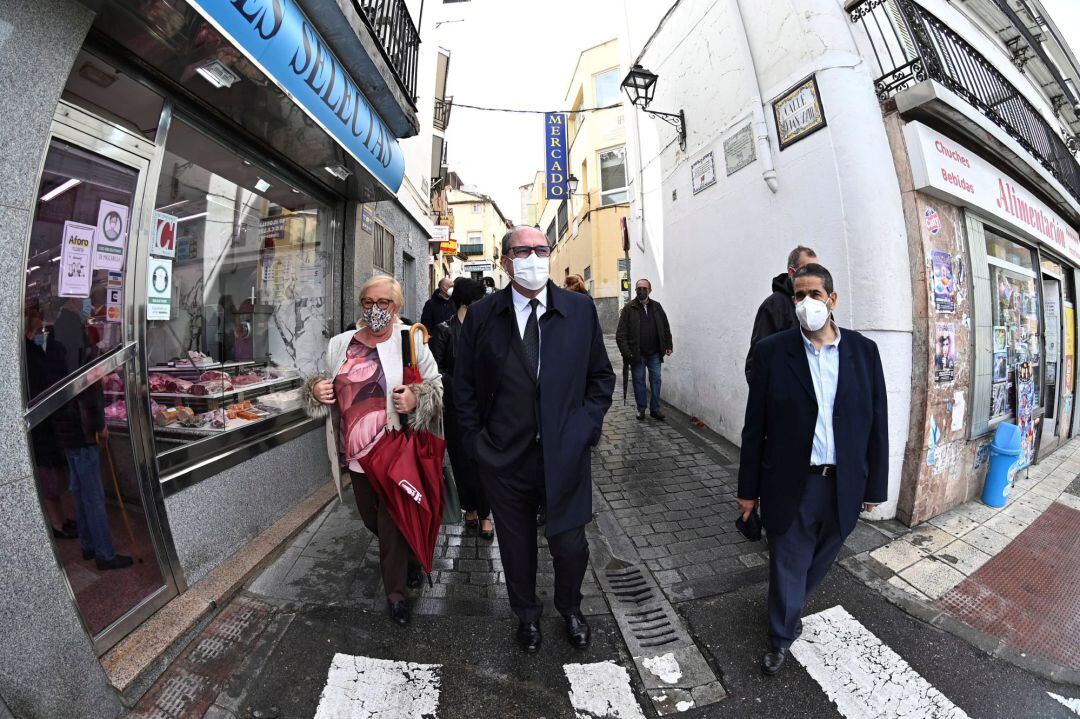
pixel 471 249
pixel 911 45
pixel 389 21
pixel 442 112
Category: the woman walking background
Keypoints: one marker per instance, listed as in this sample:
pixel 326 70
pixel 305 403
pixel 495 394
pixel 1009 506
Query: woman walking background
pixel 361 399
pixel 443 345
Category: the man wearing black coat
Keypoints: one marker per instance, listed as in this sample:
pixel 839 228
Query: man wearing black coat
pixel 532 383
pixel 815 449
pixel 777 313
pixel 644 340
pixel 439 308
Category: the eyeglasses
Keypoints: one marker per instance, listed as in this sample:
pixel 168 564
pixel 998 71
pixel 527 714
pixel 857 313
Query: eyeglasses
pixel 521 252
pixel 383 304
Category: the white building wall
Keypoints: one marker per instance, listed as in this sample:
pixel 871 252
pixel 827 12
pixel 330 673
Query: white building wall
pixel 712 256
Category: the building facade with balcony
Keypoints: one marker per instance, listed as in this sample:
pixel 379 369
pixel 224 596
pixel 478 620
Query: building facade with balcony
pixel 586 230
pixel 479 226
pixel 926 151
pixel 186 187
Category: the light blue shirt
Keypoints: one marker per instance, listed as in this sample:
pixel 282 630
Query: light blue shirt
pixel 825 374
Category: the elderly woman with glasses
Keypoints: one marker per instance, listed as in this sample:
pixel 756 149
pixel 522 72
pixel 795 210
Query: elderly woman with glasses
pixel 361 399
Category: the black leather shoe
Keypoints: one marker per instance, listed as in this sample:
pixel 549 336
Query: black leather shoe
pixel 577 631
pixel 118 562
pixel 529 637
pixel 773 660
pixel 399 612
pixel 488 535
pixel 658 415
pixel 641 415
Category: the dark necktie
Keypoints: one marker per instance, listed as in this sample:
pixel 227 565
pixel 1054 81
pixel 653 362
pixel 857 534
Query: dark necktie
pixel 532 338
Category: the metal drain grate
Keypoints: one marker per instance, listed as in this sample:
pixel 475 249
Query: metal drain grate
pixel 675 674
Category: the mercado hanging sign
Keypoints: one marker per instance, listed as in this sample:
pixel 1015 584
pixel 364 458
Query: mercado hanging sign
pixel 281 41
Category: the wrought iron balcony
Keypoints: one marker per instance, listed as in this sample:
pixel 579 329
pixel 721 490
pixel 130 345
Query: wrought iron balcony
pixel 389 21
pixel 442 112
pixel 471 249
pixel 911 45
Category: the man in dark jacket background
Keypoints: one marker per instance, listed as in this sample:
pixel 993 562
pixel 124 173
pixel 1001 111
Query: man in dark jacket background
pixel 644 340
pixel 439 308
pixel 777 312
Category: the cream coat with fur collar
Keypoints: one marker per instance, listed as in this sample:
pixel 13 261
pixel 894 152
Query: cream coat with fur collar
pixel 429 394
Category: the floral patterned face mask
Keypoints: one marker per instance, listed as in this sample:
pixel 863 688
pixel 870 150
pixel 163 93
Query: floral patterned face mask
pixel 377 319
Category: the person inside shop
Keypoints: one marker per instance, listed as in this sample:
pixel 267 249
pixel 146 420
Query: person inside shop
pixel 815 449
pixel 80 429
pixel 444 347
pixel 44 366
pixel 776 313
pixel 439 308
pixel 363 396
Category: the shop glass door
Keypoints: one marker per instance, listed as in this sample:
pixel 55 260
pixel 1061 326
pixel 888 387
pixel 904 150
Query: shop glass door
pixel 79 376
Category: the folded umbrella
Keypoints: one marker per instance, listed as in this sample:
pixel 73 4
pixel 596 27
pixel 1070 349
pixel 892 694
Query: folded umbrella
pixel 625 379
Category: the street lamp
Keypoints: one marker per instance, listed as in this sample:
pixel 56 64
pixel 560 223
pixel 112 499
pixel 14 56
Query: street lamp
pixel 572 184
pixel 640 86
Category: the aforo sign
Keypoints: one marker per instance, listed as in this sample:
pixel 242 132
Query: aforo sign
pixel 943 167
pixel 282 42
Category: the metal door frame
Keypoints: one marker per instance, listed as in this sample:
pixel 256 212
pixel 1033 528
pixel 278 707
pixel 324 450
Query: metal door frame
pixel 80 128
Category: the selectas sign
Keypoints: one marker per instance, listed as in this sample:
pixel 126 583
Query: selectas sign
pixel 277 37
pixel 555 152
pixel 945 168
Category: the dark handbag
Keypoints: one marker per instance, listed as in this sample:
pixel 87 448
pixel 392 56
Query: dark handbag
pixel 751 527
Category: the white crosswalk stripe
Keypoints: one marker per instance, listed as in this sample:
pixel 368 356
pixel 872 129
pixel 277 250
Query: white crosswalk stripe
pixel 861 675
pixel 1073 704
pixel 366 688
pixel 601 691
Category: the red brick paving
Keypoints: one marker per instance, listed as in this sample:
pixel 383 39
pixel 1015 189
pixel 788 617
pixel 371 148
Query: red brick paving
pixel 1029 594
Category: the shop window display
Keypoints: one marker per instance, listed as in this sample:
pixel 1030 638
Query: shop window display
pixel 1016 328
pixel 237 305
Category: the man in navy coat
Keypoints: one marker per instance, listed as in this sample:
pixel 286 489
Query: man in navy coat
pixel 532 384
pixel 815 449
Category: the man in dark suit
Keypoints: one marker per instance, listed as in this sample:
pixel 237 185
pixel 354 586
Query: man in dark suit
pixel 815 449
pixel 532 383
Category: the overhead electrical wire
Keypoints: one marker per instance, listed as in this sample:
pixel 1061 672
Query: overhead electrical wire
pixel 455 103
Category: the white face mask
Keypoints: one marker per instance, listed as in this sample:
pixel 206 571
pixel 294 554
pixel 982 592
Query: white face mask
pixel 812 314
pixel 532 271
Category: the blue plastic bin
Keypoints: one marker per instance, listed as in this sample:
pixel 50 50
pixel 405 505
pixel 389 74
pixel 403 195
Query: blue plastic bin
pixel 1004 450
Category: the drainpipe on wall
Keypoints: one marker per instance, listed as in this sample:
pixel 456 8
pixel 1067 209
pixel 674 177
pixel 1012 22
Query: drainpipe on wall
pixel 761 128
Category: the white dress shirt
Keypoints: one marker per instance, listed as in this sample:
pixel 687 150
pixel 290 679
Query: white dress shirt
pixel 824 374
pixel 522 309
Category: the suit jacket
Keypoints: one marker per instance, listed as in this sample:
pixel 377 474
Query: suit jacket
pixel 778 435
pixel 575 388
pixel 628 332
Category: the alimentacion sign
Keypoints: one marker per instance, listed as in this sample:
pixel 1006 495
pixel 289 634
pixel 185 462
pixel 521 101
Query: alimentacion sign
pixel 277 37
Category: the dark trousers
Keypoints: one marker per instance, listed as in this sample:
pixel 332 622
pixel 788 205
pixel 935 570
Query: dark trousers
pixel 470 491
pixel 646 399
pixel 801 557
pixel 394 553
pixel 514 498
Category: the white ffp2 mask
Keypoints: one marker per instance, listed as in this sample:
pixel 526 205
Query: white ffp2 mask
pixel 531 272
pixel 812 314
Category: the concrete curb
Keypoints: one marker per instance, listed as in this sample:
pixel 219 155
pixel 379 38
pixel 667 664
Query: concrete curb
pixel 869 571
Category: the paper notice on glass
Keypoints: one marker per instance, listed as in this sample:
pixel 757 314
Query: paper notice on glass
pixel 163 243
pixel 159 289
pixel 959 410
pixel 110 236
pixel 75 259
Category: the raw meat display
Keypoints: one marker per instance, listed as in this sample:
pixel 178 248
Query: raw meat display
pixel 166 416
pixel 159 382
pixel 213 374
pixel 285 400
pixel 236 407
pixel 113 383
pixel 201 360
pixel 117 411
pixel 216 419
pixel 178 385
pixel 217 386
pixel 249 378
pixel 185 416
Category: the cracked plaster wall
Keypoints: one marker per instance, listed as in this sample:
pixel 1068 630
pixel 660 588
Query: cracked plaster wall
pixel 838 193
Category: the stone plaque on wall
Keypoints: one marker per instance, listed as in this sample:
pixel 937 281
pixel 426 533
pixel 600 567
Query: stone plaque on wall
pixel 739 150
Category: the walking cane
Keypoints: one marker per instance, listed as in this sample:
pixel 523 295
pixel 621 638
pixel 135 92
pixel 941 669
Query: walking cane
pixel 119 498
